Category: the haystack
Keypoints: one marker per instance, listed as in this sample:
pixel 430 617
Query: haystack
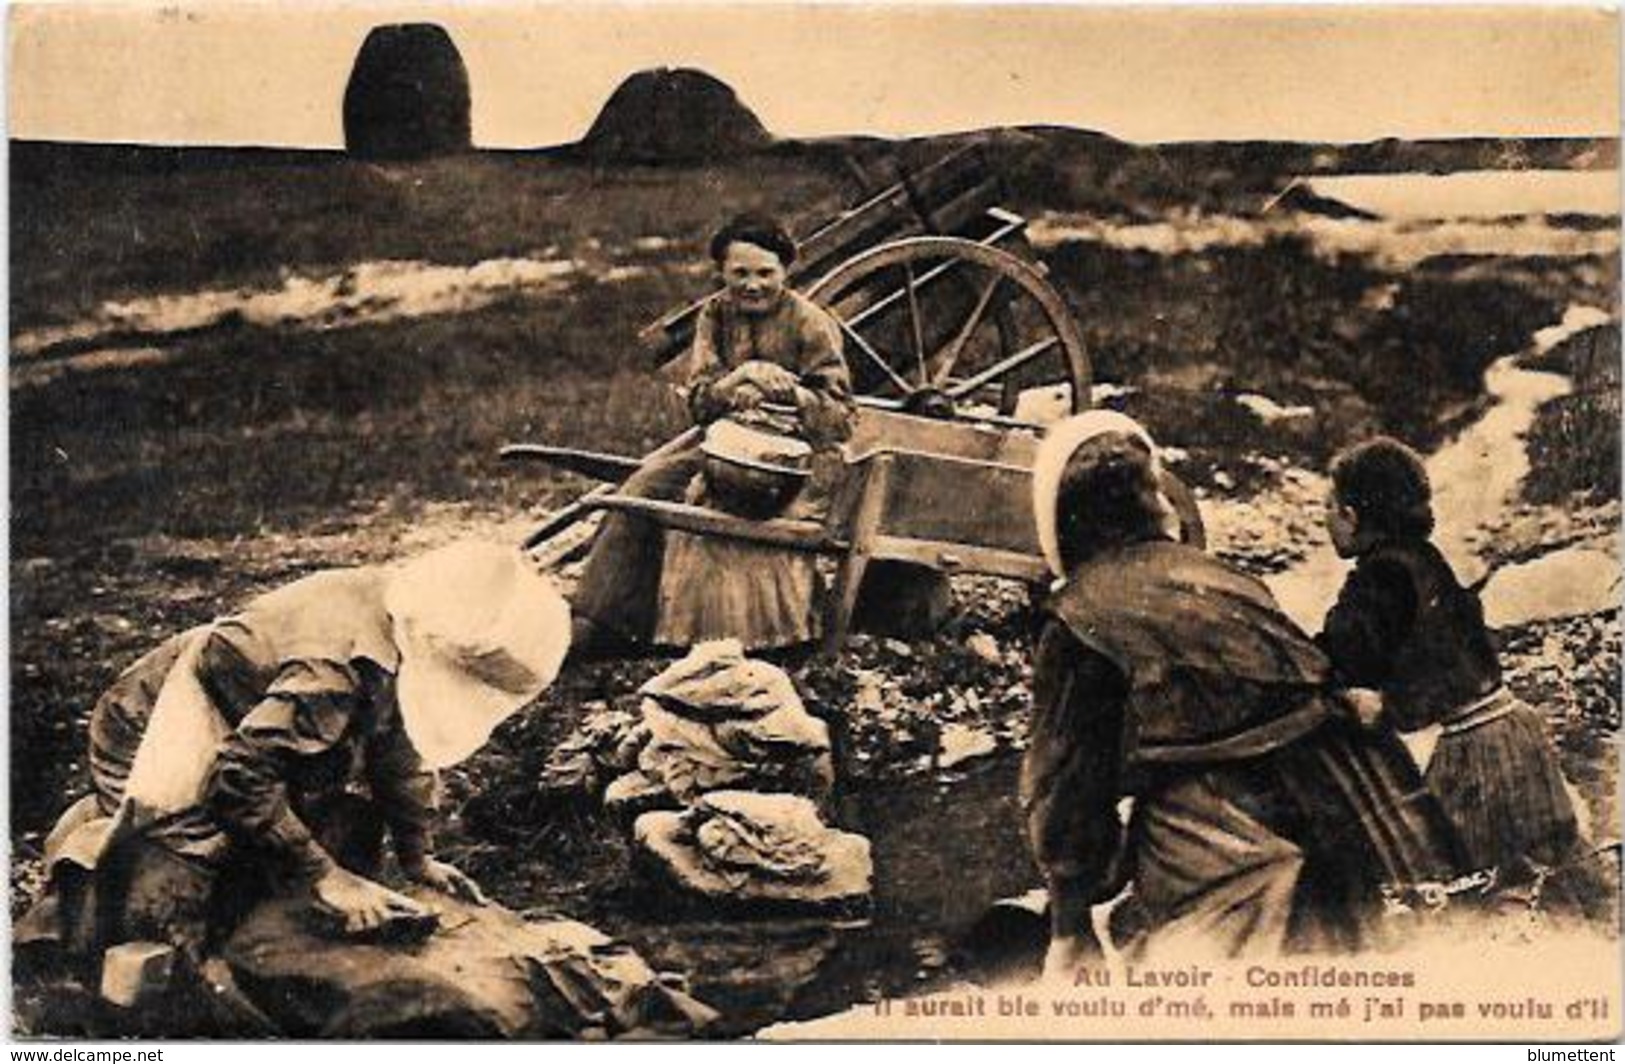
pixel 408 95
pixel 668 115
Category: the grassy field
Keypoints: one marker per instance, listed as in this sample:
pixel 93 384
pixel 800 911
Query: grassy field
pixel 103 224
pixel 241 431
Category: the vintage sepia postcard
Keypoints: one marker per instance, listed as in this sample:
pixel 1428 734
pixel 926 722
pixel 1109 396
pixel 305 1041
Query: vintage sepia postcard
pixel 838 521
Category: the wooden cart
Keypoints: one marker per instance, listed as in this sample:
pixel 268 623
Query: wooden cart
pixel 941 312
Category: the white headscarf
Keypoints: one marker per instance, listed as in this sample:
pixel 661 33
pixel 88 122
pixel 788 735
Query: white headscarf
pixel 481 633
pixel 476 631
pixel 1060 443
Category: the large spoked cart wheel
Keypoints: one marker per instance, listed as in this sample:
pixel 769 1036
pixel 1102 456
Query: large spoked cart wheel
pixel 948 326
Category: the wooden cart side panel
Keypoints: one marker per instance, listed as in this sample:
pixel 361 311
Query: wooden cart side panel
pixel 879 429
pixel 960 558
pixel 955 502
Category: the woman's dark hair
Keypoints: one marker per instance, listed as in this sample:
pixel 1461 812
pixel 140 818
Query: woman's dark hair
pixel 760 229
pixel 1109 496
pixel 1385 484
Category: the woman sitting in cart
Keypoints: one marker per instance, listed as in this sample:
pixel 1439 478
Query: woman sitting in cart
pixel 756 344
pixel 1264 820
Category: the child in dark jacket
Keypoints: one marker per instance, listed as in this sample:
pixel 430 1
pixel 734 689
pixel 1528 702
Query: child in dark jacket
pixel 1405 626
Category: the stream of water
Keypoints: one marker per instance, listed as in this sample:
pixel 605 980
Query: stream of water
pixel 943 853
pixel 1476 477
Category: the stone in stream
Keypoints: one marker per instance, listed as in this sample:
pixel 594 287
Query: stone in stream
pixel 717 720
pixel 985 647
pixel 1566 583
pixel 960 743
pixel 1007 942
pixel 766 852
pixel 1269 411
pixel 483 973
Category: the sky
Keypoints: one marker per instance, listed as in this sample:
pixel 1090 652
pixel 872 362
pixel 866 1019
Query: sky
pixel 273 73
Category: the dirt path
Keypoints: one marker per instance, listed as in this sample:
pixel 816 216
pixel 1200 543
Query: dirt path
pixel 135 332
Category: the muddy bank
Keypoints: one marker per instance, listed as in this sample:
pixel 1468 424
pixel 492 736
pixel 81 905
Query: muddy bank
pixel 1574 445
pixel 1366 349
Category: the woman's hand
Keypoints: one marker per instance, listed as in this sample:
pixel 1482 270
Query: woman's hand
pixel 743 397
pixel 1363 705
pixel 447 879
pixel 775 383
pixel 362 904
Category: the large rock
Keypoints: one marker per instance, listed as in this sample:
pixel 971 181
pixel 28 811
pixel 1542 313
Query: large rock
pixel 667 115
pixel 634 794
pixel 1572 582
pixel 408 95
pixel 773 851
pixel 715 682
pixel 717 720
pixel 486 973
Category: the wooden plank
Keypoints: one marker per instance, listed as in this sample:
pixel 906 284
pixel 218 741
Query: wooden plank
pixel 960 558
pixel 966 206
pixel 933 187
pixel 863 527
pixel 564 517
pixel 595 464
pixel 809 536
pixel 959 501
pixel 568 515
pixel 889 219
pixel 878 428
pixel 927 185
pixel 569 544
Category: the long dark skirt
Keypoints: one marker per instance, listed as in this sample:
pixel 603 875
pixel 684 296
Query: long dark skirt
pixel 1288 853
pixel 620 585
pixel 1501 786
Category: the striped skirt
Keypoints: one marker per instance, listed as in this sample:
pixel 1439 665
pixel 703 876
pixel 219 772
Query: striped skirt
pixel 1499 782
pixel 766 597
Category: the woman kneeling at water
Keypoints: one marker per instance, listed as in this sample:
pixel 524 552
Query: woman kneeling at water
pixel 267 753
pixel 1264 819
